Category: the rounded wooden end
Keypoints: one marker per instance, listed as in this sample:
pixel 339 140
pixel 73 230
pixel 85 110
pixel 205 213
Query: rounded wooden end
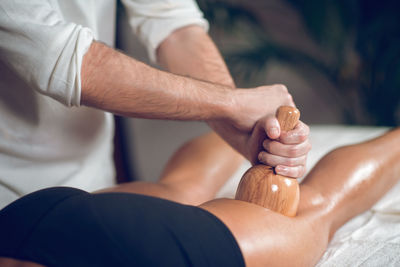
pixel 261 186
pixel 288 117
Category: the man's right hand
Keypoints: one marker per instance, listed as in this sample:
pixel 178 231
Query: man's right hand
pixel 252 124
pixel 252 104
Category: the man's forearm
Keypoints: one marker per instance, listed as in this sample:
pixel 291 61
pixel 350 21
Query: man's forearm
pixel 190 51
pixel 114 82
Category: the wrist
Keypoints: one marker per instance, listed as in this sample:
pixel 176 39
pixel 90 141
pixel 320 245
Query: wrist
pixel 233 111
pixel 225 108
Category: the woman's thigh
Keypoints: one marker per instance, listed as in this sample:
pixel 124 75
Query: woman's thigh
pixel 267 238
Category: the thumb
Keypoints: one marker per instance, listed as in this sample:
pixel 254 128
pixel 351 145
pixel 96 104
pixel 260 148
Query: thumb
pixel 272 127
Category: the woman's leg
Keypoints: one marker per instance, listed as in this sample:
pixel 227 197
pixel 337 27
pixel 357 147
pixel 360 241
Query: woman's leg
pixel 346 182
pixel 193 175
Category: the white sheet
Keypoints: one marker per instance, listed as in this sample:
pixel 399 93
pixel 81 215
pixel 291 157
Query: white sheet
pixel 370 239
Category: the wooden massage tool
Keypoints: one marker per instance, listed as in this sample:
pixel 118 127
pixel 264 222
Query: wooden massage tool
pixel 262 186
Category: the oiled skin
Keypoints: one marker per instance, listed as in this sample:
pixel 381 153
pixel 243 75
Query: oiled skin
pixel 344 183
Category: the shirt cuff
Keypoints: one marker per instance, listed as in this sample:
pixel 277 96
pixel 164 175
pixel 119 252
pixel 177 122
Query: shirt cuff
pixel 83 44
pixel 65 83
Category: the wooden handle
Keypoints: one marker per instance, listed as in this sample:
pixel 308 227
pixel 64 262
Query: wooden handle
pixel 288 117
pixel 260 185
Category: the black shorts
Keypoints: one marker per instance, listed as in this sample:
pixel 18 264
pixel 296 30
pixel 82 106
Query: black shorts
pixel 69 227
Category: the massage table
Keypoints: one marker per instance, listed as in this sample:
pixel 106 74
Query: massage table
pixel 371 238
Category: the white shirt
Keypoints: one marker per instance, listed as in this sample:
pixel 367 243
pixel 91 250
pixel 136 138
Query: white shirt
pixel 46 137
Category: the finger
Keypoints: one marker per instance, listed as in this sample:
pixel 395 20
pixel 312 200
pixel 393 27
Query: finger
pixel 272 127
pixel 296 136
pixel 274 160
pixel 283 150
pixel 295 172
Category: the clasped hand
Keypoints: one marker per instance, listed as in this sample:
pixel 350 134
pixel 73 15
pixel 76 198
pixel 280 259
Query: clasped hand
pixel 253 130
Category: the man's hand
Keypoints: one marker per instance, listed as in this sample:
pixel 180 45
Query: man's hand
pixel 286 151
pixel 253 127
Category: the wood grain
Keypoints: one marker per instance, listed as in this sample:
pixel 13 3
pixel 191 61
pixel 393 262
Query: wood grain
pixel 262 186
pixel 287 117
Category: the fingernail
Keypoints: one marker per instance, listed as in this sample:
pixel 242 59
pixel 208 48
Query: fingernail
pixel 273 131
pixel 282 169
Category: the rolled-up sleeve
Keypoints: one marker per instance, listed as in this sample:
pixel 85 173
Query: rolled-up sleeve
pixel 152 21
pixel 42 49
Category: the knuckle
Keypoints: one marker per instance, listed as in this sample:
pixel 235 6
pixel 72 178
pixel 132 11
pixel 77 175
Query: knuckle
pixel 263 156
pixel 260 157
pixel 294 172
pixel 302 137
pixel 297 173
pixel 289 172
pixel 303 160
pixel 291 162
pixel 271 146
pixel 267 159
pixel 281 87
pixel 293 151
pixel 300 171
pixel 265 145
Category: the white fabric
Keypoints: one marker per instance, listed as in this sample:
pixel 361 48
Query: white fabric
pixel 152 23
pixel 370 239
pixel 46 138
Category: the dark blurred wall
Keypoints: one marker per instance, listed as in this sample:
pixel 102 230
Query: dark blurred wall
pixel 346 52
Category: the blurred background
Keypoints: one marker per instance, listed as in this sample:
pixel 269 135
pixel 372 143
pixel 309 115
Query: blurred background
pixel 340 60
